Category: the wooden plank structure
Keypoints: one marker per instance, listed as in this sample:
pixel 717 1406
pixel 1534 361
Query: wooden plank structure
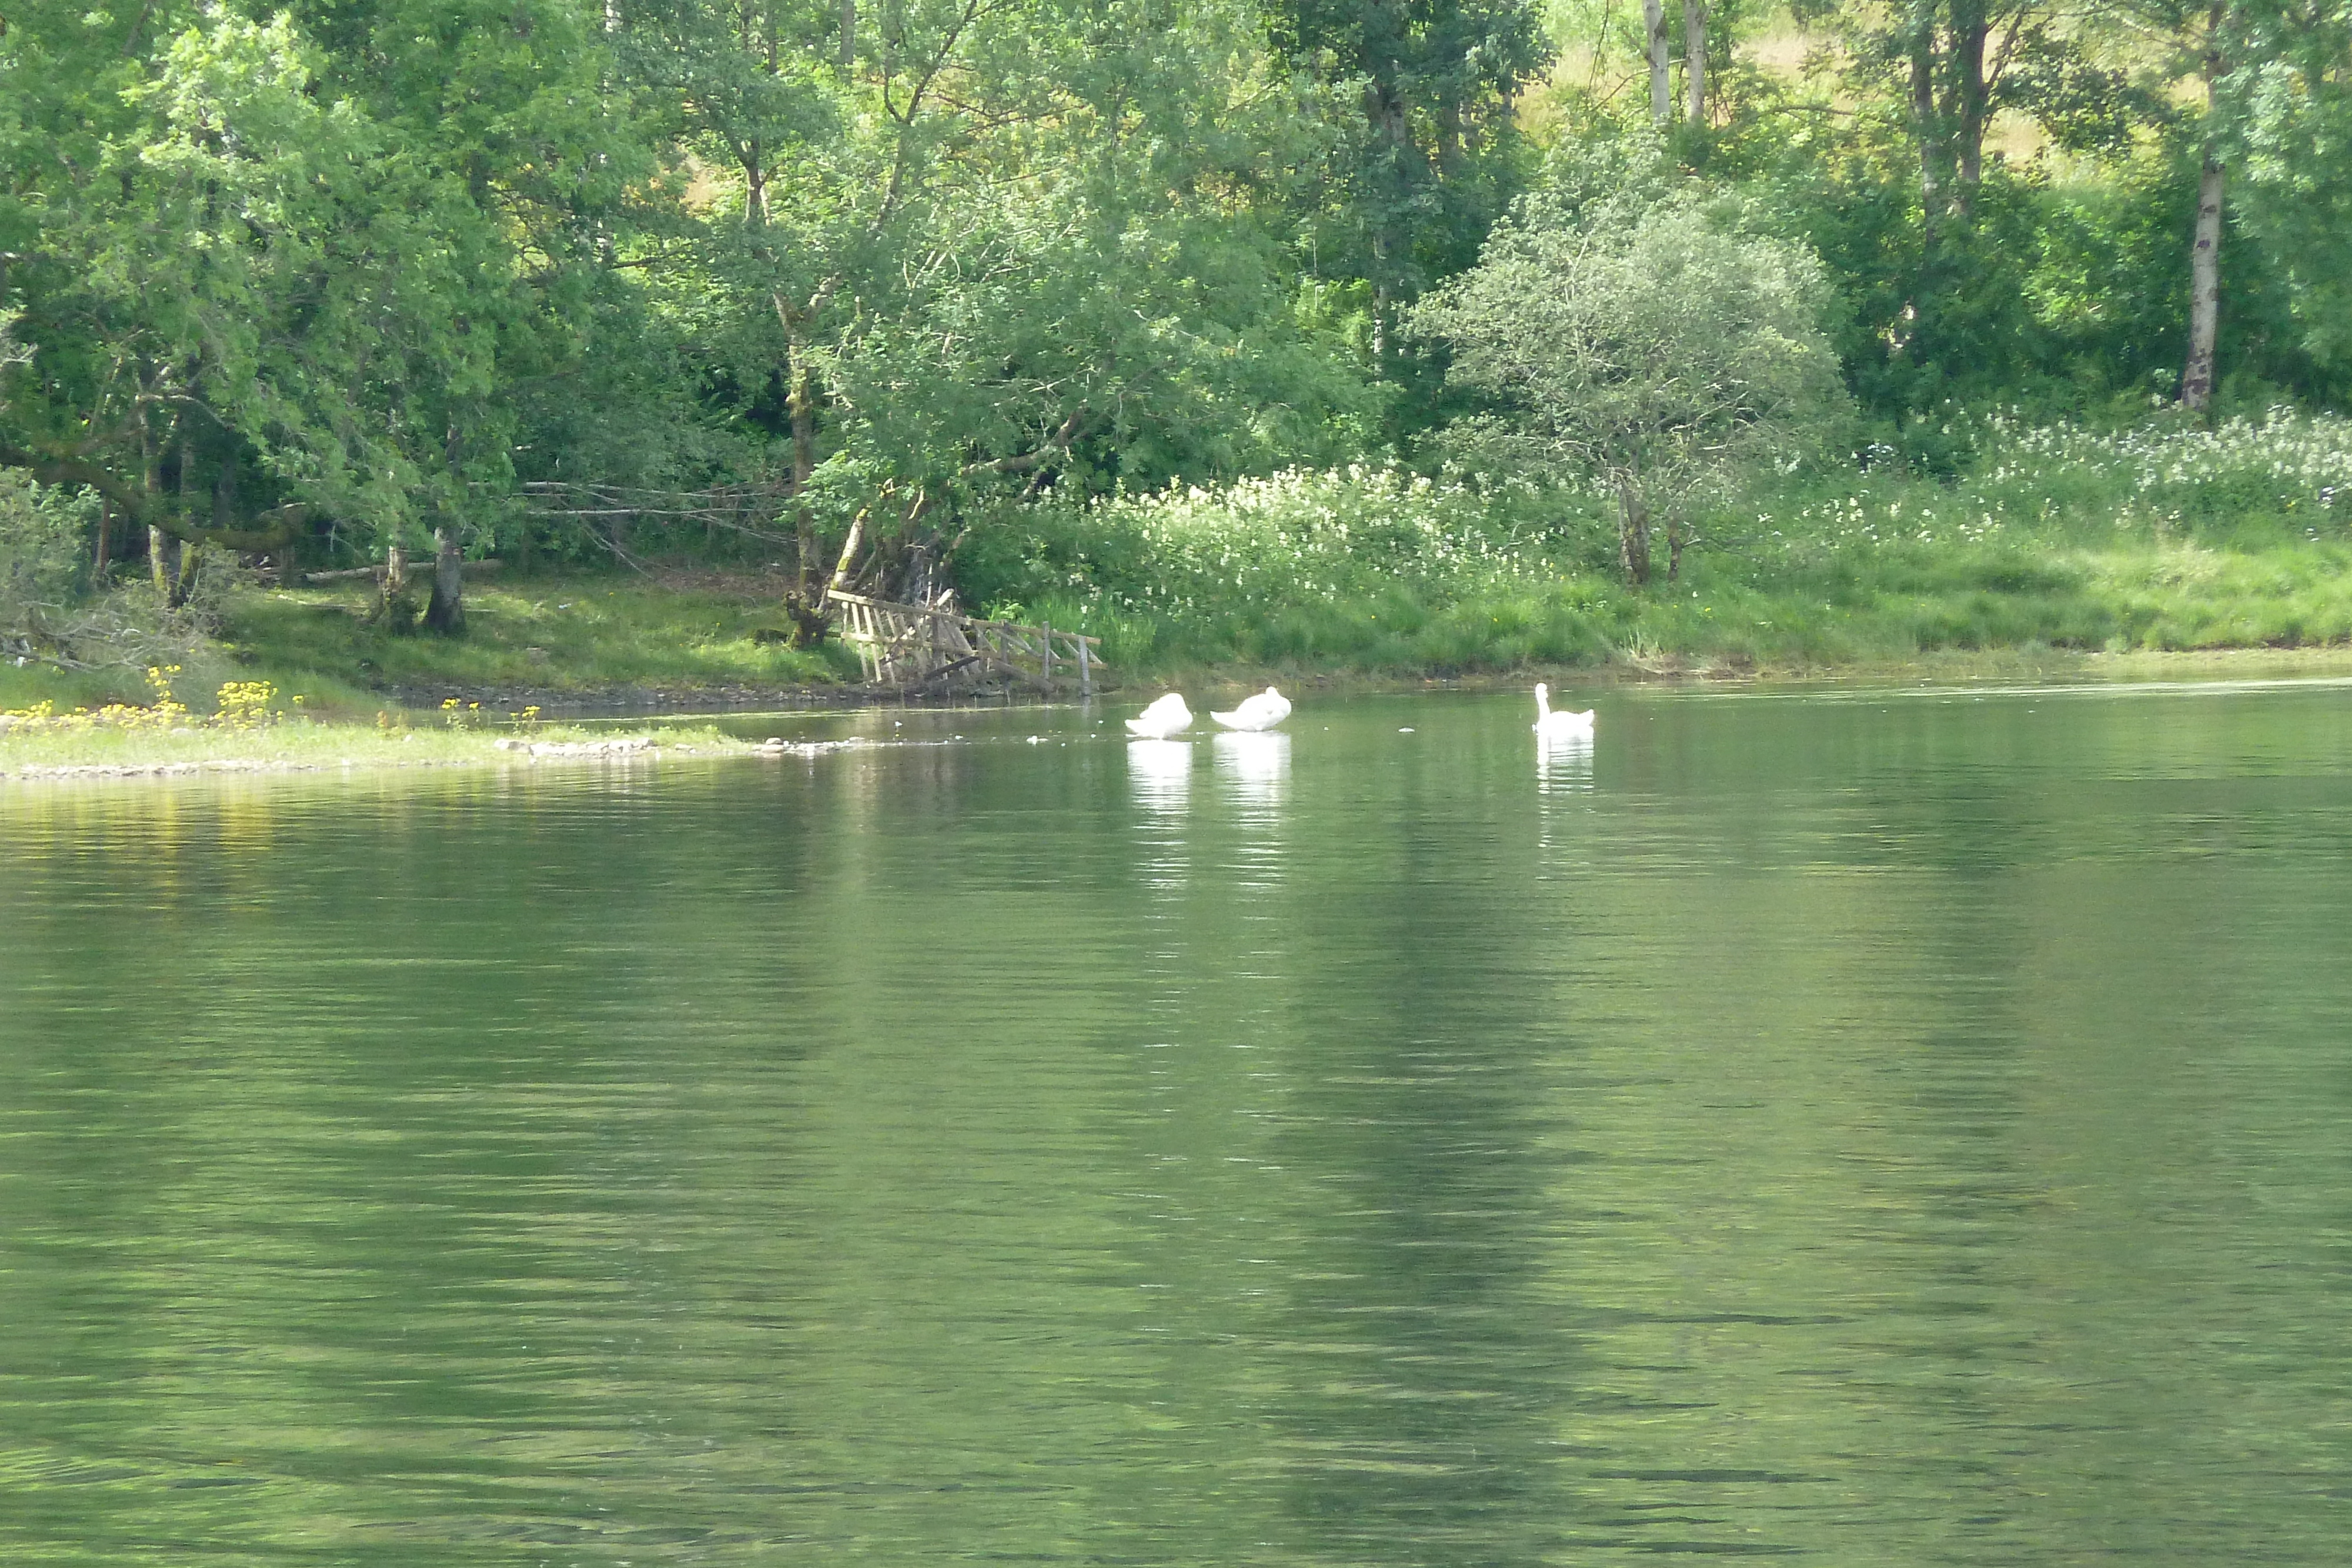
pixel 916 645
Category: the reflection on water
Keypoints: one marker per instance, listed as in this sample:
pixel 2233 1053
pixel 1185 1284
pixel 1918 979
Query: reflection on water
pixel 1254 773
pixel 1563 792
pixel 1903 1132
pixel 1159 772
pixel 1563 764
pixel 1255 767
pixel 1159 779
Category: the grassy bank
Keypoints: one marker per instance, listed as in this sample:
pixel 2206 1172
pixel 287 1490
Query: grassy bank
pixel 572 632
pixel 2173 538
pixel 543 638
pixel 2170 538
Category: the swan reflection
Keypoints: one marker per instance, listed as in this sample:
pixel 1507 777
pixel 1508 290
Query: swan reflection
pixel 1253 774
pixel 1159 772
pixel 1255 766
pixel 1564 763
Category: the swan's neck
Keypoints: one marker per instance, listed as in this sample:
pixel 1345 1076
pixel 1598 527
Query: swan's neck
pixel 1543 705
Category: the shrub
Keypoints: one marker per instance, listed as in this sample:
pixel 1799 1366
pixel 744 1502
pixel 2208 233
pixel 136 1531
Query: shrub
pixel 50 611
pixel 42 568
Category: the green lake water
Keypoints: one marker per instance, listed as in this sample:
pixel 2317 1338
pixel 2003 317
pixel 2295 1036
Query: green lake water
pixel 1854 1127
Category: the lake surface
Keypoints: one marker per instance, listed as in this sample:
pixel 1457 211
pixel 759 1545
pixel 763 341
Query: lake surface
pixel 1855 1127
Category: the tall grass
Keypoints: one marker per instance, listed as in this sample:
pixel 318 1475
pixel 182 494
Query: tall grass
pixel 2170 536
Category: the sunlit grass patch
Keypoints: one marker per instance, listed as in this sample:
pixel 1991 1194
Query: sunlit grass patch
pixel 553 634
pixel 26 685
pixel 254 728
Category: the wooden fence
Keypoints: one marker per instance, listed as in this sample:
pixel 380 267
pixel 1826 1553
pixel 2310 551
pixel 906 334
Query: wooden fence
pixel 914 645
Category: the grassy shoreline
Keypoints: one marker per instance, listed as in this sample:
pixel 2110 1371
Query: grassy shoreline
pixel 73 746
pixel 552 640
pixel 1954 666
pixel 2161 547
pixel 641 650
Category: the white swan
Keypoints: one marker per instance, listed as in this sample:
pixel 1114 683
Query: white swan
pixel 1264 711
pixel 1163 718
pixel 1561 725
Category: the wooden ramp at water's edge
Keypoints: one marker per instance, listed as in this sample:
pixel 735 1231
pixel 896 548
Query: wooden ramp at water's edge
pixel 917 647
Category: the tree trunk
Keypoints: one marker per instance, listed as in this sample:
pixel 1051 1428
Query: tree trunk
pixel 1928 128
pixel 1695 58
pixel 446 611
pixel 162 549
pixel 105 528
pixel 1662 96
pixel 392 610
pixel 163 562
pixel 173 578
pixel 755 188
pixel 848 34
pixel 800 403
pixel 848 559
pixel 2204 286
pixel 2205 247
pixel 1970 28
pixel 1633 534
pixel 1391 117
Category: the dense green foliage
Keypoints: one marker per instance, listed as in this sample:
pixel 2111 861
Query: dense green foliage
pixel 891 293
pixel 2170 536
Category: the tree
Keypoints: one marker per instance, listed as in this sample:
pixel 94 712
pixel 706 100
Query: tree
pixel 1933 74
pixel 275 273
pixel 1020 244
pixel 468 253
pixel 1431 164
pixel 101 393
pixel 2273 104
pixel 1660 60
pixel 2279 81
pixel 1652 348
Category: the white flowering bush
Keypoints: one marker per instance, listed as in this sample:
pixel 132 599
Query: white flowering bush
pixel 1368 563
pixel 2169 536
pixel 1306 535
pixel 2288 471
pixel 2286 461
pixel 1303 536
